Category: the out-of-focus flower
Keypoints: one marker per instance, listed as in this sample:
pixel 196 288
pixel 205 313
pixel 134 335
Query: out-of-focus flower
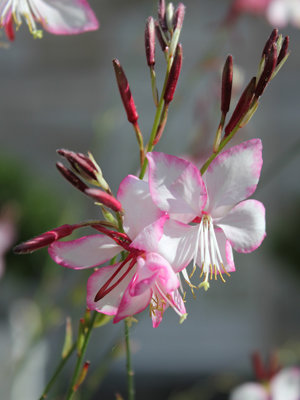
pixel 209 215
pixel 7 233
pixel 60 17
pixel 278 12
pixel 283 386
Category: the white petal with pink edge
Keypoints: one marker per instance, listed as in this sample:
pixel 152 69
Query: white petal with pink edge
pixel 245 225
pixel 286 384
pixel 249 391
pixel 85 252
pixel 178 244
pixel 140 210
pixel 110 302
pixel 233 176
pixel 64 17
pixel 176 186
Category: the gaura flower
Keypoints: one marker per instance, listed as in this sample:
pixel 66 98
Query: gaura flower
pixel 209 215
pixel 143 277
pixel 60 17
pixel 283 386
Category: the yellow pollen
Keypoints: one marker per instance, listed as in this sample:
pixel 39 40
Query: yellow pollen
pixel 194 269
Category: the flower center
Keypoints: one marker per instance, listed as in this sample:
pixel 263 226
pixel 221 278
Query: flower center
pixel 207 254
pixel 18 8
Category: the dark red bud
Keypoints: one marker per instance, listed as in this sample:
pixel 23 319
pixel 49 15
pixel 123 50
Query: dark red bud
pixel 226 85
pixel 272 39
pixel 45 239
pixel 179 16
pixel 242 106
pixel 160 39
pixel 266 74
pixel 161 12
pixel 283 50
pixel 71 177
pixel 150 41
pixel 104 198
pixel 79 162
pixel 125 93
pixel 174 75
pixel 258 367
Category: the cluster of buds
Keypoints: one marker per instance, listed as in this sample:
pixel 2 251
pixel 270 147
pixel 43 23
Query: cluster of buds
pixel 274 55
pixel 166 29
pixel 85 168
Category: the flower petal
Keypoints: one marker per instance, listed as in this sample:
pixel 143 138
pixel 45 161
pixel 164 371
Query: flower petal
pixel 286 385
pixel 233 176
pixel 65 17
pixel 110 302
pixel 154 268
pixel 176 186
pixel 245 226
pixel 85 252
pixel 140 211
pixel 178 244
pixel 249 391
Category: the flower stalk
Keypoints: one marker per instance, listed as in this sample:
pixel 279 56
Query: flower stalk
pixel 130 372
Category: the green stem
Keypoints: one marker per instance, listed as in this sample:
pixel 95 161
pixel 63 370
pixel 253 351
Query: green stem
pixel 57 372
pixel 156 119
pixel 130 373
pixel 77 369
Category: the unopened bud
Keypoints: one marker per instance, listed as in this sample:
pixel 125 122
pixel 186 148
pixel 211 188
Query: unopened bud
pixel 125 92
pixel 283 50
pixel 9 29
pixel 242 107
pixel 170 16
pixel 267 72
pixel 150 41
pixel 71 177
pixel 80 163
pixel 179 16
pixel 226 85
pixel 161 12
pixel 45 239
pixel 104 198
pixel 82 376
pixel 272 39
pixel 159 36
pixel 173 76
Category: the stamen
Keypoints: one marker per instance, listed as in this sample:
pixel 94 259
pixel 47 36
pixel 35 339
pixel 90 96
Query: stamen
pixel 168 300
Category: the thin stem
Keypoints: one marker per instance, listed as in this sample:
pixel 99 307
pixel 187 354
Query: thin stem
pixel 130 373
pixel 77 369
pixel 57 372
pixel 156 119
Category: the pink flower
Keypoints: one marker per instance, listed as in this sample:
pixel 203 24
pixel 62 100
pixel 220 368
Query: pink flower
pixel 60 17
pixel 283 386
pixel 278 12
pixel 209 215
pixel 7 233
pixel 144 277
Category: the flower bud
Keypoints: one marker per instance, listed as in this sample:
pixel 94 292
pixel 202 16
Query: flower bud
pixel 170 16
pixel 150 41
pixel 80 163
pixel 226 85
pixel 270 64
pixel 161 12
pixel 272 39
pixel 242 107
pixel 104 198
pixel 283 50
pixel 179 16
pixel 173 76
pixel 125 93
pixel 45 239
pixel 159 36
pixel 71 177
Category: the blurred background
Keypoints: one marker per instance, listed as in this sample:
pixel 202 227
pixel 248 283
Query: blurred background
pixel 60 92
